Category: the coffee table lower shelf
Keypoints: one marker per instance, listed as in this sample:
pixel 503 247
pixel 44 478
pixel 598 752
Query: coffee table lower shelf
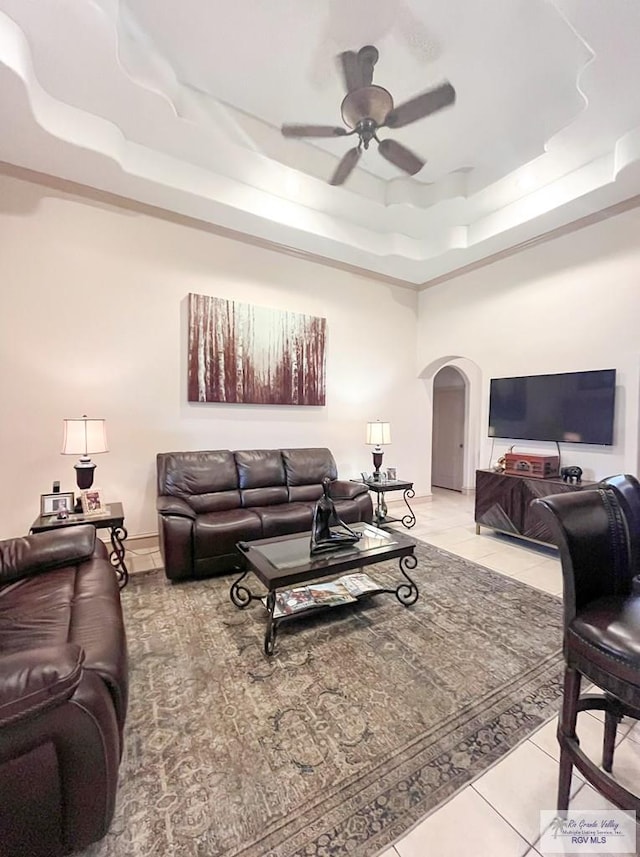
pixel 327 567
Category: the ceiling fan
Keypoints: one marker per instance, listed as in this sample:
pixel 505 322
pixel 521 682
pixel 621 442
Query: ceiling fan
pixel 366 108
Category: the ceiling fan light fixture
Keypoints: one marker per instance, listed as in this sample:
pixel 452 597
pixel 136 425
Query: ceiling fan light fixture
pixel 370 102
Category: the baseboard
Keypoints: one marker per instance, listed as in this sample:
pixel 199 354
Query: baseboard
pixel 143 540
pixel 133 543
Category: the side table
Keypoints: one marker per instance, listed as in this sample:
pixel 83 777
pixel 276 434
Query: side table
pixel 380 515
pixel 112 520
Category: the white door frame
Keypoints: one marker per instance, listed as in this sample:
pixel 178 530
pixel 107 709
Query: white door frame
pixel 473 379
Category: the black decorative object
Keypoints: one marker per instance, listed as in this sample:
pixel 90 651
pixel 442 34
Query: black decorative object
pixel 325 516
pixel 571 474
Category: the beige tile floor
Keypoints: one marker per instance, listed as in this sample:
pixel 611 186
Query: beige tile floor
pixel 496 815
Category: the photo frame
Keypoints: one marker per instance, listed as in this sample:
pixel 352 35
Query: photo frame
pixel 391 474
pixel 53 504
pixel 93 502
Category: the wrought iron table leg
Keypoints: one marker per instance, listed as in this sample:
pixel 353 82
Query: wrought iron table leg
pixel 241 596
pixel 407 593
pixel 272 625
pixel 410 519
pixel 116 557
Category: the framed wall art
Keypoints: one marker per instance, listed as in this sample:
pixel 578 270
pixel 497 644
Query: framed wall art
pixel 248 354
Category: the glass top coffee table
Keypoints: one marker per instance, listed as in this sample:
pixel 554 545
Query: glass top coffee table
pixel 286 569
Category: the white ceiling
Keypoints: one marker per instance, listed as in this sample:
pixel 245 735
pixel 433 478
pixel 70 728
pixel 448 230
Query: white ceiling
pixel 178 103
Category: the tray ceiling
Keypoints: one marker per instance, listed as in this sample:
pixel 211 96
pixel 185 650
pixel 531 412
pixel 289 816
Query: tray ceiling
pixel 179 105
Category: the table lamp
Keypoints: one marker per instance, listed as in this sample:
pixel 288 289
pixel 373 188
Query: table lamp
pixel 378 435
pixel 84 437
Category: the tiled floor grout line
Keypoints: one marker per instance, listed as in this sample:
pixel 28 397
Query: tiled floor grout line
pixel 506 820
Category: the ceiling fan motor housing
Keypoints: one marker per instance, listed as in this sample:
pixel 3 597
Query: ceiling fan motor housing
pixel 369 102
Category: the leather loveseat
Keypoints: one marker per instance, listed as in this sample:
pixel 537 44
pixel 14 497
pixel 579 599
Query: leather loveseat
pixel 63 692
pixel 209 501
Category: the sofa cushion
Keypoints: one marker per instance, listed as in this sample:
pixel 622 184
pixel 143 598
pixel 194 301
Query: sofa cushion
pixel 309 466
pixel 208 481
pixel 305 493
pixel 216 533
pixel 219 501
pixel 259 468
pixel 44 551
pixel 265 496
pixel 282 520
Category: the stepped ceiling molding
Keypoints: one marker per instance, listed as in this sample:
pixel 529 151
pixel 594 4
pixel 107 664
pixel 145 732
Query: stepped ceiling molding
pixel 178 104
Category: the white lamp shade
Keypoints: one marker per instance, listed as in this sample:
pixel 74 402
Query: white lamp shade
pixel 378 433
pixel 84 437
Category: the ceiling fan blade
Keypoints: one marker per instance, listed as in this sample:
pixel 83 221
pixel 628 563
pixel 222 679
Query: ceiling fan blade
pixel 313 131
pixel 402 157
pixel 351 70
pixel 421 106
pixel 346 165
pixel 367 58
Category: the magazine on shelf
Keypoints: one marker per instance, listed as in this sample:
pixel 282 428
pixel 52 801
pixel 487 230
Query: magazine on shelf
pixel 360 583
pixel 293 600
pixel 330 594
pixel 345 590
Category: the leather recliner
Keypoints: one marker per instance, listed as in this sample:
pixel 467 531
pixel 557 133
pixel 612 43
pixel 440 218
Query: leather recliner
pixel 209 501
pixel 63 692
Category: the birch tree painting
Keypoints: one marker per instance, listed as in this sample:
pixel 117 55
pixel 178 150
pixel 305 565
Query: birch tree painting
pixel 244 353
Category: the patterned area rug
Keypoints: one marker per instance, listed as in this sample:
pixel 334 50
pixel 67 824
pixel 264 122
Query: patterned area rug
pixel 366 718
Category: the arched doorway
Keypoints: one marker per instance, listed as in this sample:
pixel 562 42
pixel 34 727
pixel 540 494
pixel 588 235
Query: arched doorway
pixel 448 430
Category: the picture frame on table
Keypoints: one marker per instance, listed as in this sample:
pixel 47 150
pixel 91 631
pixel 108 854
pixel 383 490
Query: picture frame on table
pixel 92 500
pixel 57 504
pixel 391 474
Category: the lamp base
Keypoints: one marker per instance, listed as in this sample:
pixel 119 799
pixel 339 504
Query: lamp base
pixel 84 473
pixel 377 461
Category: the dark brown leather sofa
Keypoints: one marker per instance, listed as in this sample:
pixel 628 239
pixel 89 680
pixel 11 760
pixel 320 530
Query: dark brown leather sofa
pixel 63 692
pixel 209 501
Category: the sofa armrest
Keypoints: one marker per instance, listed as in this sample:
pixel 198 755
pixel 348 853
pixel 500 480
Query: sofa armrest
pixel 166 505
pixel 34 680
pixel 343 490
pixel 33 554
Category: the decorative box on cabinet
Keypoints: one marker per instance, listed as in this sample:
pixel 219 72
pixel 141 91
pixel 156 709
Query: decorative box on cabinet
pixel 503 502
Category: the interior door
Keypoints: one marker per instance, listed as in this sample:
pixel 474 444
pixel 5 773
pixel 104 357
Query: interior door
pixel 447 453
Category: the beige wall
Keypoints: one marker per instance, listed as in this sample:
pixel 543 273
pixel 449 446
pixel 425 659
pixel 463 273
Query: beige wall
pixel 568 305
pixel 92 320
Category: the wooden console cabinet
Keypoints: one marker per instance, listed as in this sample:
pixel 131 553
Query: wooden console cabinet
pixel 503 502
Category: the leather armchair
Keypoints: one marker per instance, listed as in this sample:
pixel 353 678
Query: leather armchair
pixel 63 692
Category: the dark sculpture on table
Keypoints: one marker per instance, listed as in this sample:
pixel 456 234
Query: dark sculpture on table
pixel 569 474
pixel 325 516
